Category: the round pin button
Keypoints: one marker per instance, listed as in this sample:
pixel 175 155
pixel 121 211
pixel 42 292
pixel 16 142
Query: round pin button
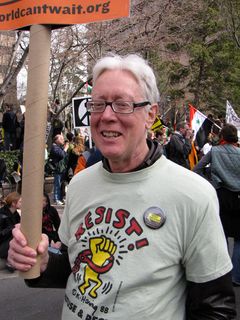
pixel 154 217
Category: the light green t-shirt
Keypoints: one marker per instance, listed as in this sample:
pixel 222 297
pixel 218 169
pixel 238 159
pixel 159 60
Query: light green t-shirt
pixel 123 268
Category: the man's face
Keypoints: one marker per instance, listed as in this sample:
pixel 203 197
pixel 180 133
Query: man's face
pixel 60 140
pixel 120 137
pixel 184 130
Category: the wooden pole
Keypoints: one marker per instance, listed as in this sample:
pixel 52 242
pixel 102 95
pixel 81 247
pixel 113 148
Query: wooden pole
pixel 34 139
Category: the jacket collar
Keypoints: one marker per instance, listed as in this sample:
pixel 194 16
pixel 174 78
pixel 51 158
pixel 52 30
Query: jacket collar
pixel 154 153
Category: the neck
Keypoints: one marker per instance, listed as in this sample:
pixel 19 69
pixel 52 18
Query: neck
pixel 128 165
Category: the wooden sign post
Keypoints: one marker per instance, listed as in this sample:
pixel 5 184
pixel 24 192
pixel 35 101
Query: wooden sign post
pixel 34 138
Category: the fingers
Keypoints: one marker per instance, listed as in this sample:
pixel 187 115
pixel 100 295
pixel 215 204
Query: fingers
pixel 43 245
pixel 103 244
pixel 21 256
pixel 113 249
pixel 108 246
pixel 18 235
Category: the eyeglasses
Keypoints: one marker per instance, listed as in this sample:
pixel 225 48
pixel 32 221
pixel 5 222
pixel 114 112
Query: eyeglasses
pixel 117 106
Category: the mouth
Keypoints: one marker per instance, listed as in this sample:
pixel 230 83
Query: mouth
pixel 110 134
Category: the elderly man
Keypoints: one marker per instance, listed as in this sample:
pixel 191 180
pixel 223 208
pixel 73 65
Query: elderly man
pixel 143 233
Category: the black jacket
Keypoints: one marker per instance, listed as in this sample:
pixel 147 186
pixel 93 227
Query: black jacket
pixel 9 122
pixel 57 153
pixel 50 221
pixel 7 223
pixel 178 150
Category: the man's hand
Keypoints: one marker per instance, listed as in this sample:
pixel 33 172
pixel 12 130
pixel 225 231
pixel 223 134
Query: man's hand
pixel 21 256
pixel 66 146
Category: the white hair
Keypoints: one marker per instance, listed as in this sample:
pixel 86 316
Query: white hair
pixel 134 64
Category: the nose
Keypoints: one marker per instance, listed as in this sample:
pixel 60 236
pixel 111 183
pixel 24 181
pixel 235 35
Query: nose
pixel 108 112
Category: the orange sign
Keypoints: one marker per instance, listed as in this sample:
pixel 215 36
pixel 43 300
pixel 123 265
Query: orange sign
pixel 15 14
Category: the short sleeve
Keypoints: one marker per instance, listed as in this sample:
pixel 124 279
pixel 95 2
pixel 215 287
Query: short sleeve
pixel 206 257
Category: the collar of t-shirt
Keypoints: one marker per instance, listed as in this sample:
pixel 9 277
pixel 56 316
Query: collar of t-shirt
pixel 154 153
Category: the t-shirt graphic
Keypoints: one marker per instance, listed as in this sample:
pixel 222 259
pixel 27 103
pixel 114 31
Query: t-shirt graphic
pixel 103 248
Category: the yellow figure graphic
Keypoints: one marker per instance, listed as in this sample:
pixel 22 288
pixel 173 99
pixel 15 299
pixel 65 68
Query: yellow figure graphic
pixel 99 259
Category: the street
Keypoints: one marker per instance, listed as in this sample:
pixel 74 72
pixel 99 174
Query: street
pixel 18 302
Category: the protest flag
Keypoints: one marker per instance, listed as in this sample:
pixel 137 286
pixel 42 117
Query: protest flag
pixel 193 157
pixel 201 125
pixel 231 116
pixel 157 125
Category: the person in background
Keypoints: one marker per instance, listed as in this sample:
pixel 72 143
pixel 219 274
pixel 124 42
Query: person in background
pixel 224 161
pixel 158 136
pixel 9 121
pixel 87 159
pixel 75 152
pixel 179 146
pixel 9 217
pixel 70 138
pixel 50 223
pixel 58 152
pixel 73 155
pixel 205 149
pixel 56 119
pixel 54 108
pixel 161 136
pixel 207 146
pixel 143 234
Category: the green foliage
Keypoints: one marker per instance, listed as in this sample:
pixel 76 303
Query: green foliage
pixel 215 71
pixel 210 74
pixel 176 94
pixel 10 158
pixel 214 61
pixel 177 73
pixel 173 47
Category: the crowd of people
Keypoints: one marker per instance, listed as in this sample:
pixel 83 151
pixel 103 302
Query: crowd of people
pixel 70 153
pixel 142 235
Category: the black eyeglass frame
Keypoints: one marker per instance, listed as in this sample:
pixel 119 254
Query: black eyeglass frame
pixel 111 104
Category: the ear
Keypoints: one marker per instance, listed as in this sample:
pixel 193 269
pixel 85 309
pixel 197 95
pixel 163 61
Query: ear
pixel 151 116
